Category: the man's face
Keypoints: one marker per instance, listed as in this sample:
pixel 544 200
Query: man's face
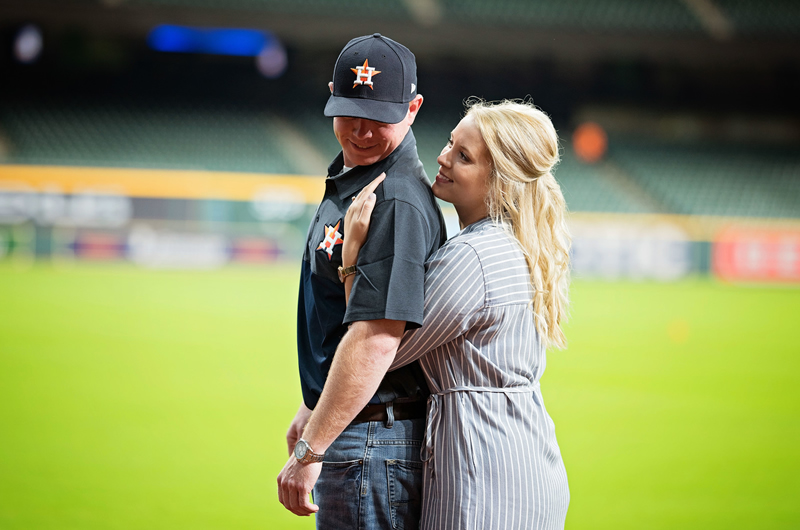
pixel 365 142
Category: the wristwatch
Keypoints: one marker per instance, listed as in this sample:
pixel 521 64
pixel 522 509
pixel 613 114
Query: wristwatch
pixel 344 272
pixel 304 454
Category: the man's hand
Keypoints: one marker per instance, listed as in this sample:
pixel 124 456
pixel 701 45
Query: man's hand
pixel 295 431
pixel 362 358
pixel 295 483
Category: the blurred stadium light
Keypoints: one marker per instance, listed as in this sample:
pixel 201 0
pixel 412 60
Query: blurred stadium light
pixel 589 142
pixel 28 44
pixel 271 61
pixel 270 55
pixel 228 41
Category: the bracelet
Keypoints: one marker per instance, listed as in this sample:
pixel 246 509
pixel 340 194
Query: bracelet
pixel 344 272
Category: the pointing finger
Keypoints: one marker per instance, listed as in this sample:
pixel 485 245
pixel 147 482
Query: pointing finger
pixel 369 188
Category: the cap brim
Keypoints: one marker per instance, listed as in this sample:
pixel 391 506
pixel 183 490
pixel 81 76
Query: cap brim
pixel 369 109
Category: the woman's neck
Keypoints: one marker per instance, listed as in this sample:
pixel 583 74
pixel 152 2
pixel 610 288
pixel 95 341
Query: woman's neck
pixel 463 224
pixel 472 215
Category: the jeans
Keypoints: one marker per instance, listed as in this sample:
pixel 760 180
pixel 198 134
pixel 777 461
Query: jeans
pixel 372 477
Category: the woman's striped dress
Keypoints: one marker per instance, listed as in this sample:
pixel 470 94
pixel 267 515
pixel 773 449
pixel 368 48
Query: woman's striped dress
pixel 492 460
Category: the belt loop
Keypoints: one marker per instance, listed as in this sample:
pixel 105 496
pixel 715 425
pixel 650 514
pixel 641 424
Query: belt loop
pixel 389 414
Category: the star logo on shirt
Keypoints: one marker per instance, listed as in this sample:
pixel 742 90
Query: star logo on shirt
pixel 332 238
pixel 364 74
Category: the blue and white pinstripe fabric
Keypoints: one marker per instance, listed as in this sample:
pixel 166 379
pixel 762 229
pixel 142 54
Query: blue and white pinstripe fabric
pixel 491 456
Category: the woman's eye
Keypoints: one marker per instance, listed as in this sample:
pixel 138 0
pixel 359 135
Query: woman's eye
pixel 463 156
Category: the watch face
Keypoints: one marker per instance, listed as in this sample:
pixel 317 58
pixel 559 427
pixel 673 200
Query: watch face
pixel 300 450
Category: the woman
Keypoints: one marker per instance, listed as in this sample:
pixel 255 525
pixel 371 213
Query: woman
pixel 495 298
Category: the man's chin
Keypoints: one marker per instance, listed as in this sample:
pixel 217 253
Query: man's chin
pixel 364 160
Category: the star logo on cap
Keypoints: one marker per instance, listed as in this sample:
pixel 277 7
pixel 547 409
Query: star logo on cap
pixel 364 74
pixel 332 238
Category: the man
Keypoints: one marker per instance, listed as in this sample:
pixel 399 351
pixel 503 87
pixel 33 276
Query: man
pixel 367 425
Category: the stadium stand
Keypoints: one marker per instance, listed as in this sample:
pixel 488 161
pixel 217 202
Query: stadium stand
pixel 432 130
pixel 638 175
pixel 594 188
pixel 748 17
pixel 154 135
pixel 754 17
pixel 609 15
pixel 719 180
pixel 394 8
pixel 319 130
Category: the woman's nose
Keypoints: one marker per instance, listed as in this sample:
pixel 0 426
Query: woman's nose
pixel 442 158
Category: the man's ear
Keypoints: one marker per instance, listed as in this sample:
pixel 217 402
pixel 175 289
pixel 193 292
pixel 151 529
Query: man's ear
pixel 413 108
pixel 330 86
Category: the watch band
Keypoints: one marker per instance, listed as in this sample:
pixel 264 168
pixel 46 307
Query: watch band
pixel 344 272
pixel 305 455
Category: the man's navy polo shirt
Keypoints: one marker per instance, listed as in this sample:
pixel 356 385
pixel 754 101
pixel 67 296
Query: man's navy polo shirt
pixel 406 228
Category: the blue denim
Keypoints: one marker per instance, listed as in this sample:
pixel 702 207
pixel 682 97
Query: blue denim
pixel 372 478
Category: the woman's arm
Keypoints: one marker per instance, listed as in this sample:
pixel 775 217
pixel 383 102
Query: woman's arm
pixel 356 224
pixel 454 283
pixel 454 293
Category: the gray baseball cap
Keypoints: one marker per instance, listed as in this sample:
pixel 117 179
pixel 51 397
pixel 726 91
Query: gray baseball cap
pixel 374 78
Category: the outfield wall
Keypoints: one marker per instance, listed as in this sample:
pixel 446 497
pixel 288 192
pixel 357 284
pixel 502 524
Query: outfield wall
pixel 202 219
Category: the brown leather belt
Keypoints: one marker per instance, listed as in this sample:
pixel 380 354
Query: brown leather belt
pixel 401 411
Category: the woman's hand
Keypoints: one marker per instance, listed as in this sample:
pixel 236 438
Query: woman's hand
pixel 356 222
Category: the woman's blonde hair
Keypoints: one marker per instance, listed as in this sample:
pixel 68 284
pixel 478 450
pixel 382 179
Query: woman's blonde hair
pixel 525 197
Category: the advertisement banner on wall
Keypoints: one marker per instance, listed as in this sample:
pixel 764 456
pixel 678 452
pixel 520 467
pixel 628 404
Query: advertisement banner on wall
pixel 615 250
pixel 759 255
pixel 204 219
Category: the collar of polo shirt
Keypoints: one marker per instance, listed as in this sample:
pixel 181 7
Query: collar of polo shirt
pixel 350 183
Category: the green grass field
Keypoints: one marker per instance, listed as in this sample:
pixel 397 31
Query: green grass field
pixel 149 400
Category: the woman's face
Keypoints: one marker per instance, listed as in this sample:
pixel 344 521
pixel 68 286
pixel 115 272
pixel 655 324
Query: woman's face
pixel 464 168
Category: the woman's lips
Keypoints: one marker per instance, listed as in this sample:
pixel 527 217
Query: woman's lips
pixel 441 178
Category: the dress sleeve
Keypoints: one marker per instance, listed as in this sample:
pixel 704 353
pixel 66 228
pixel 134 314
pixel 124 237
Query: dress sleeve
pixel 455 291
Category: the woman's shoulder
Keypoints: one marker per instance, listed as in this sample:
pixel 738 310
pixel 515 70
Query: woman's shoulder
pixel 484 236
pixel 474 242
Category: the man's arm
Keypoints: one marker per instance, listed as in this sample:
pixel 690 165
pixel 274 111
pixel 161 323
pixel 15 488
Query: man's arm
pixel 295 431
pixel 362 359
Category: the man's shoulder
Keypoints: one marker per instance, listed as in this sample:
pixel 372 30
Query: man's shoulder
pixel 409 185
